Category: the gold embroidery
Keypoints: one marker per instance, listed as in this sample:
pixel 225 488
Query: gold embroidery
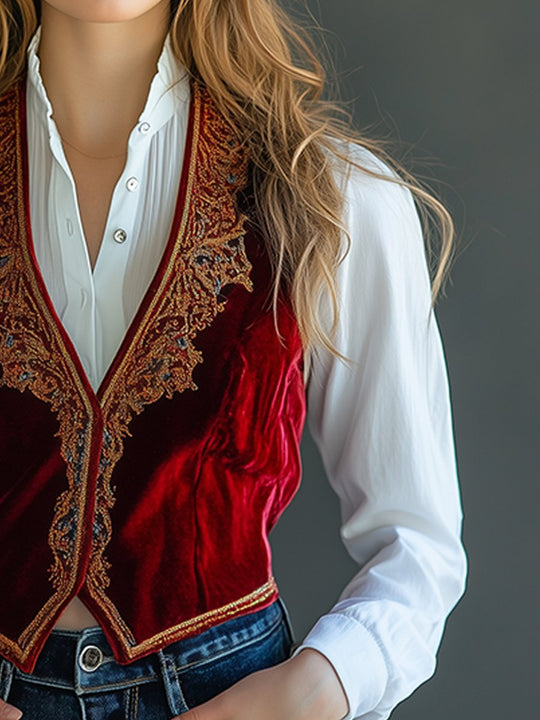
pixel 208 254
pixel 33 357
pixel 205 620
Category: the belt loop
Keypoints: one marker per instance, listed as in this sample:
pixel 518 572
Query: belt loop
pixel 173 691
pixel 288 622
pixel 6 676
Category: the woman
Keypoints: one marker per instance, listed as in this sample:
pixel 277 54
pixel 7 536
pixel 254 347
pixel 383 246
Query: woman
pixel 174 287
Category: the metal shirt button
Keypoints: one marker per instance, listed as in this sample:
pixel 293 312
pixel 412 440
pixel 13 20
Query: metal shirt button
pixel 120 235
pixel 144 127
pixel 132 184
pixel 90 658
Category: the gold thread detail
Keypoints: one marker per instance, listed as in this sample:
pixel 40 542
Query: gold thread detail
pixel 203 621
pixel 211 617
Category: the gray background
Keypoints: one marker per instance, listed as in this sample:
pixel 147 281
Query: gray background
pixel 458 86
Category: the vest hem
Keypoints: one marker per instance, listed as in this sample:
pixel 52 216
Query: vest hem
pixel 124 652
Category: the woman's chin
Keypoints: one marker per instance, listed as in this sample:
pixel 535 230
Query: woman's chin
pixel 105 11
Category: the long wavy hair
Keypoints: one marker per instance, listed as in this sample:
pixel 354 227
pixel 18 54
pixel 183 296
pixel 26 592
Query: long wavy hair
pixel 243 51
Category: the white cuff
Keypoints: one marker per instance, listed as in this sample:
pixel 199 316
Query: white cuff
pixel 355 656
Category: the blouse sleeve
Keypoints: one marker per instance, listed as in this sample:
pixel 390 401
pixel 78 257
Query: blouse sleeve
pixel 383 426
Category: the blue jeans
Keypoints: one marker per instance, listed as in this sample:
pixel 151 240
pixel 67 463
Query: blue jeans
pixel 77 678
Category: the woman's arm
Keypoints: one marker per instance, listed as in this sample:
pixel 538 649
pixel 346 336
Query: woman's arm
pixel 384 431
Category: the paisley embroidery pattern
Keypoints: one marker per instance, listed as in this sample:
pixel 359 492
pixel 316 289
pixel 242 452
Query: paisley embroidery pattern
pixel 33 357
pixel 208 255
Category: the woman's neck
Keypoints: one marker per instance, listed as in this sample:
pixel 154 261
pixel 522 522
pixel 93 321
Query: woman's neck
pixel 97 75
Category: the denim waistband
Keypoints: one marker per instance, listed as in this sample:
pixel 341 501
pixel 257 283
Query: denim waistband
pixel 83 659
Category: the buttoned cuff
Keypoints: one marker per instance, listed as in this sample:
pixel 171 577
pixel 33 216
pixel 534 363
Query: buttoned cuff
pixel 355 656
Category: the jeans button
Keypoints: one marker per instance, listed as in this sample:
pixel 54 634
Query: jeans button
pixel 90 658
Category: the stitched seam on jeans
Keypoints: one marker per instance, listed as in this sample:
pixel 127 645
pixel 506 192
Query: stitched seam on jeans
pixel 131 703
pixel 143 680
pixel 135 702
pixel 27 678
pixel 247 643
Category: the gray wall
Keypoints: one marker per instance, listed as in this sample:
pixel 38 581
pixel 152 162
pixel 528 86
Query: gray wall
pixel 460 82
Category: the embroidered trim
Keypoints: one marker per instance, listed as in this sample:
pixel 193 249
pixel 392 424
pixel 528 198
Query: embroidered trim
pixel 33 357
pixel 208 254
pixel 190 627
pixel 205 620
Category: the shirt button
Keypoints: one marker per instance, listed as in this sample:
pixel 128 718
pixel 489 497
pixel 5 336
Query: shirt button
pixel 120 235
pixel 90 658
pixel 132 184
pixel 144 128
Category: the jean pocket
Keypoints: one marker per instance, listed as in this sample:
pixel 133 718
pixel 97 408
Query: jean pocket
pixel 202 681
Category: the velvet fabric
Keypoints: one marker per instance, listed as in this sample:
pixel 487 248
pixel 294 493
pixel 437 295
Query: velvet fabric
pixel 152 498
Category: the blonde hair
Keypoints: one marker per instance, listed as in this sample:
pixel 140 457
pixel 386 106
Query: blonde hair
pixel 242 50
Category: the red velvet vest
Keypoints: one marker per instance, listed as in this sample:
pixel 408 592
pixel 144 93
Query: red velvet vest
pixel 152 498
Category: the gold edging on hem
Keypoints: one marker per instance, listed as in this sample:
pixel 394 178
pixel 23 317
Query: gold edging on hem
pixel 186 627
pixel 177 632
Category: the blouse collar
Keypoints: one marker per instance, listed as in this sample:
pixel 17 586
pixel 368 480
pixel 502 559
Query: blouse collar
pixel 169 90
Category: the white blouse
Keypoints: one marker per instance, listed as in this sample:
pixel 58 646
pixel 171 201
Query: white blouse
pixel 383 426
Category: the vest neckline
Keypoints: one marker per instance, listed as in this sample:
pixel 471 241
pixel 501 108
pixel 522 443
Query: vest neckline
pixel 161 277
